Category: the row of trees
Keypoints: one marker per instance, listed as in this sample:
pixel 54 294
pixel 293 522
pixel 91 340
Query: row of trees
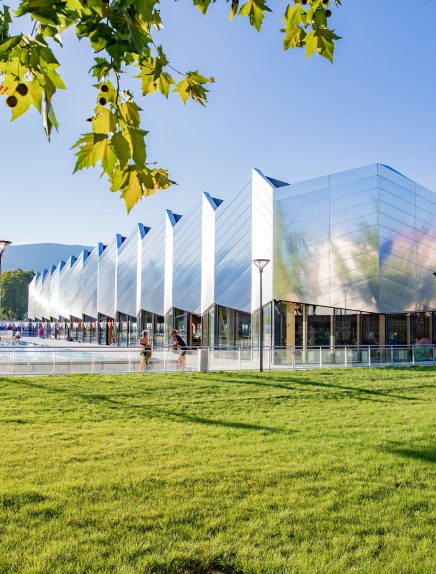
pixel 13 294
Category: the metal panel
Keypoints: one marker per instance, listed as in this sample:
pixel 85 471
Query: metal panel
pixel 127 271
pixel 186 285
pixel 262 236
pixel 152 270
pixel 210 205
pixel 31 299
pixel 54 291
pixel 107 278
pixel 75 291
pixel 64 289
pixel 90 281
pixel 233 252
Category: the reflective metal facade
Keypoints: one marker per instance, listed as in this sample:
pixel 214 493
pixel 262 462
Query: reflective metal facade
pixel 54 290
pixel 75 287
pixel 233 239
pixel 64 289
pixel 153 270
pixel 107 278
pixel 127 270
pixel 186 280
pixel 363 239
pixel 354 240
pixel 90 281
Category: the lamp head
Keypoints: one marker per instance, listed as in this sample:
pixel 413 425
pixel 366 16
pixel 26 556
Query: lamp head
pixel 261 263
pixel 3 246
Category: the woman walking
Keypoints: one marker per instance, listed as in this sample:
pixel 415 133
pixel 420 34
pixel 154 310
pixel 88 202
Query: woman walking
pixel 179 343
pixel 145 353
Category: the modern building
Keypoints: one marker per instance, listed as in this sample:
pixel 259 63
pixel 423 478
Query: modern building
pixel 352 257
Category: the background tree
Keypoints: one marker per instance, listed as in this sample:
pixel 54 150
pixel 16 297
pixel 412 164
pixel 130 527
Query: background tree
pixel 13 288
pixel 123 35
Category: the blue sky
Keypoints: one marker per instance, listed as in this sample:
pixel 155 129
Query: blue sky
pixel 292 118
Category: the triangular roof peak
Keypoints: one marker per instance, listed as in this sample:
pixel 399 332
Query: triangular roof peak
pixel 214 201
pixel 271 180
pixel 173 217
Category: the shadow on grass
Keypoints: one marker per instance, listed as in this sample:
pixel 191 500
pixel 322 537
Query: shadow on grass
pixel 150 411
pixel 294 384
pixel 424 453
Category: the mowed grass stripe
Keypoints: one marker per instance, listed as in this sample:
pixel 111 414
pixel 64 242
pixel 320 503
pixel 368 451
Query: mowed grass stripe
pixel 320 471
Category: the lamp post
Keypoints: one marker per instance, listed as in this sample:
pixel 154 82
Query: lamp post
pixel 3 246
pixel 260 264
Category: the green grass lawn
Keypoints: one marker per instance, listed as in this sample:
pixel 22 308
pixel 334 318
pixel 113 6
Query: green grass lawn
pixel 305 472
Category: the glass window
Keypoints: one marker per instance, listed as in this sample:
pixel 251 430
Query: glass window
pixel 298 310
pixel 396 332
pixel 181 324
pixel 370 329
pixel 345 327
pixel 419 326
pixel 195 339
pixel 225 326
pixel 169 325
pixel 158 331
pixel 122 330
pixel 211 326
pixel 243 329
pixel 133 332
pixel 255 328
pixel 318 325
pixel 146 324
pixel 288 324
pixel 267 325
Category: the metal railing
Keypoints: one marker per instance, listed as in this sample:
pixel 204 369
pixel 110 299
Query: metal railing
pixel 33 360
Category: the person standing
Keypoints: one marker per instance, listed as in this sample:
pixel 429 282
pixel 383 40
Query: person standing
pixel 179 343
pixel 145 353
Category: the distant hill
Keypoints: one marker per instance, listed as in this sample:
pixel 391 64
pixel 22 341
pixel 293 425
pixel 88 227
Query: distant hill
pixel 38 256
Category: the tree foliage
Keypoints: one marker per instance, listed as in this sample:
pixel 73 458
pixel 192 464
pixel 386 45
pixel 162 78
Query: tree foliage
pixel 13 290
pixel 123 36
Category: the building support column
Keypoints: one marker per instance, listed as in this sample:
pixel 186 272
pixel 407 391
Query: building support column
pixel 382 330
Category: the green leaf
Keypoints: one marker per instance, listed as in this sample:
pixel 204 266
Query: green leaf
pixel 23 104
pixel 233 9
pixel 35 94
pixel 293 16
pixel 10 43
pixel 321 40
pixel 129 112
pixel 131 191
pixel 101 68
pixel 121 147
pixel 104 121
pixel 193 87
pixel 49 117
pixel 135 138
pixel 94 148
pixel 202 5
pixel 55 78
pixel 294 38
pixel 255 10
